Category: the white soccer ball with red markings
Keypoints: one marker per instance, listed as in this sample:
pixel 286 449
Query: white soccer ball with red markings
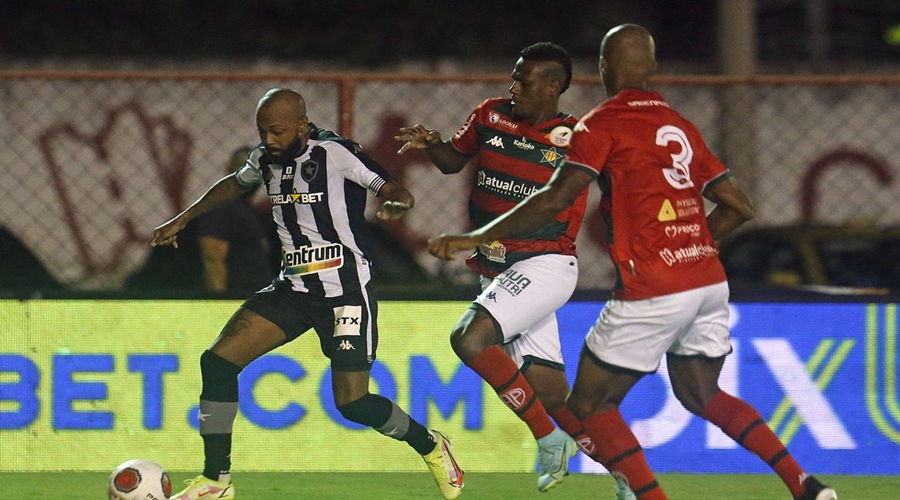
pixel 139 479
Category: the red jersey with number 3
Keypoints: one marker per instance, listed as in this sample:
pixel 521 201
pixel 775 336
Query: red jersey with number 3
pixel 516 159
pixel 652 166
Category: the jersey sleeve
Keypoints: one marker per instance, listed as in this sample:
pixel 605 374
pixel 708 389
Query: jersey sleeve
pixel 322 134
pixel 466 138
pixel 250 175
pixel 358 167
pixel 589 147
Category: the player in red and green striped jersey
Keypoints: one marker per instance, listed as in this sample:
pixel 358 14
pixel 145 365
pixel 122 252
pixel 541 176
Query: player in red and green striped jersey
pixel 509 336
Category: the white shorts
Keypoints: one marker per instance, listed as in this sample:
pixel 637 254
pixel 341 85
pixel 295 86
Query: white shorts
pixel 523 300
pixel 635 334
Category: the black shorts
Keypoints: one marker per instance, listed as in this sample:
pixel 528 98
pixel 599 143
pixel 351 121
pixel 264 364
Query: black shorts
pixel 347 326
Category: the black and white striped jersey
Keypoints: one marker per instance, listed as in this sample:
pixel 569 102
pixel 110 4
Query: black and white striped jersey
pixel 318 203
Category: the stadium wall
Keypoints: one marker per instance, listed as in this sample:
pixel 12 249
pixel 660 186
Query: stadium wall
pixel 95 160
pixel 87 384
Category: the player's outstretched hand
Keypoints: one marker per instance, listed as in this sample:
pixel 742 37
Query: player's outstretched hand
pixel 446 246
pixel 392 210
pixel 167 234
pixel 417 137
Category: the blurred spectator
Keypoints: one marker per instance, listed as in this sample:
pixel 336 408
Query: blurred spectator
pixel 221 252
pixel 231 240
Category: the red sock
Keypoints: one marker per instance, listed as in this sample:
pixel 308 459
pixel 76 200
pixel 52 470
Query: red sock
pixel 613 444
pixel 744 424
pixel 501 373
pixel 568 422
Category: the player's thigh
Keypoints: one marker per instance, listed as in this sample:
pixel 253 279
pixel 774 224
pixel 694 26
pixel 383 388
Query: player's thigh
pixel 635 334
pixel 270 317
pixel 599 386
pixel 247 336
pixel 529 291
pixel 347 327
pixel 707 334
pixel 347 387
pixel 539 344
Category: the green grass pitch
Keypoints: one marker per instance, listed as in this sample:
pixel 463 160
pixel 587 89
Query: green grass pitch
pixel 485 486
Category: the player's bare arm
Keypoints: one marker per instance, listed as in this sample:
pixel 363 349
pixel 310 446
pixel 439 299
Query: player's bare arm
pixel 442 153
pixel 733 208
pixel 398 201
pixel 531 213
pixel 226 189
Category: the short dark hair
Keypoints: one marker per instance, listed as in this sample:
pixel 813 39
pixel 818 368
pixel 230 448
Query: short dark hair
pixel 548 51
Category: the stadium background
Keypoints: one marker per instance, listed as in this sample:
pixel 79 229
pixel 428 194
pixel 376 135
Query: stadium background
pixel 112 127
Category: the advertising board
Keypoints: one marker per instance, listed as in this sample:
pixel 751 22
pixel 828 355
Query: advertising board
pixel 87 384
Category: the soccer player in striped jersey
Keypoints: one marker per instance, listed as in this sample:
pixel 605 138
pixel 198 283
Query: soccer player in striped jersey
pixel 317 182
pixel 509 336
pixel 671 296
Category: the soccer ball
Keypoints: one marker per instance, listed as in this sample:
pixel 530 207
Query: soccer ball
pixel 139 479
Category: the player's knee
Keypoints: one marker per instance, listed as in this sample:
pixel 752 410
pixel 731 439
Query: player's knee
pixel 352 411
pixel 584 405
pixel 692 400
pixel 693 406
pixel 475 332
pixel 458 340
pixel 579 407
pixel 220 378
pixel 469 343
pixel 370 410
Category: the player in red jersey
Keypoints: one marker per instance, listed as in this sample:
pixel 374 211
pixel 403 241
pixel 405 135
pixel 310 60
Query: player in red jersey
pixel 671 296
pixel 510 336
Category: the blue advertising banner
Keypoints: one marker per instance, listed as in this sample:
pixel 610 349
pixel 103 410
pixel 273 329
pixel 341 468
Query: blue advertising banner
pixel 823 376
pixel 118 379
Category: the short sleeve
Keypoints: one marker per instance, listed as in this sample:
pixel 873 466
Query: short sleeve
pixel 590 146
pixel 250 175
pixel 353 168
pixel 466 138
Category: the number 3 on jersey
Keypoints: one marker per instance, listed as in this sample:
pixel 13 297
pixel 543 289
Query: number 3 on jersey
pixel 679 176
